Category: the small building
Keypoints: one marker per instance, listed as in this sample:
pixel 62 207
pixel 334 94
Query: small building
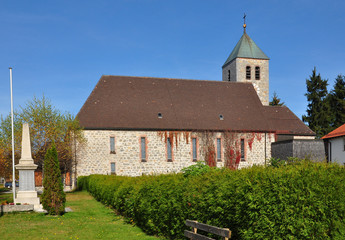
pixel 335 145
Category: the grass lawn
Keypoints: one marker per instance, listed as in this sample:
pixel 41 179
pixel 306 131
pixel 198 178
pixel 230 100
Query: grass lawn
pixel 89 220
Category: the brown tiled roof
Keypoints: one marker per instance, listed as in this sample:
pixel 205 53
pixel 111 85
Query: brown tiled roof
pixel 339 132
pixel 119 102
pixel 283 121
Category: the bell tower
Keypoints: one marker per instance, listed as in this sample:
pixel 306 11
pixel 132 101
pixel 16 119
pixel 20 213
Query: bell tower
pixel 248 63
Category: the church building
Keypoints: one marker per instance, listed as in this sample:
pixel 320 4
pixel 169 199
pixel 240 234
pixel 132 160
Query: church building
pixel 146 125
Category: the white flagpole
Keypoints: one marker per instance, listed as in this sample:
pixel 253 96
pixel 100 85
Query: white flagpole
pixel 13 169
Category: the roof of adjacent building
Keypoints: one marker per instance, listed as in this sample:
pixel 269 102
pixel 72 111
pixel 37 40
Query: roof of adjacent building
pixel 120 102
pixel 284 121
pixel 339 132
pixel 246 48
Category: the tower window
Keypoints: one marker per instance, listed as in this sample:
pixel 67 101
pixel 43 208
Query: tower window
pixel 257 73
pixel 228 75
pixel 248 72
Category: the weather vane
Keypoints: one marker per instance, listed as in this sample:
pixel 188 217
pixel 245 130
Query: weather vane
pixel 244 22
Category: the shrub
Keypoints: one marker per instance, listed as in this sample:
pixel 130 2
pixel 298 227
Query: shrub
pixel 294 201
pixel 276 162
pixel 53 197
pixel 196 169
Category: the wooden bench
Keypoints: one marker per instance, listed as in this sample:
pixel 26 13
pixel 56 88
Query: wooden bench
pixel 223 232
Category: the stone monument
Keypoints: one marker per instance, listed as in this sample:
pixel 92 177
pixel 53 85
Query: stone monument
pixel 26 168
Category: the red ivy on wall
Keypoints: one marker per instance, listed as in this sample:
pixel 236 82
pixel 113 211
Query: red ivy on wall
pixel 231 139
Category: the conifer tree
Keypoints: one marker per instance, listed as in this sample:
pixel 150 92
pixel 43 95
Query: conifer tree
pixel 276 101
pixel 318 113
pixel 336 100
pixel 53 197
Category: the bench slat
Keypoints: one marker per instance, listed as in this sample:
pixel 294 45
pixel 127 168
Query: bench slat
pixel 223 232
pixel 195 236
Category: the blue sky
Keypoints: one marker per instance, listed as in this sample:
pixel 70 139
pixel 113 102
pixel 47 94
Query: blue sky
pixel 62 48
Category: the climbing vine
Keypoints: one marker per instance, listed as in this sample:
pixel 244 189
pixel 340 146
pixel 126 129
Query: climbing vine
pixel 174 135
pixel 231 144
pixel 209 151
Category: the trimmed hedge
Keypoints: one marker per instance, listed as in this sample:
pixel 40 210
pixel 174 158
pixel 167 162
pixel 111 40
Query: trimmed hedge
pixel 301 201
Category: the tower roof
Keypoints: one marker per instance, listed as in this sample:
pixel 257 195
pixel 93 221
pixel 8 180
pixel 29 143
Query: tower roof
pixel 246 48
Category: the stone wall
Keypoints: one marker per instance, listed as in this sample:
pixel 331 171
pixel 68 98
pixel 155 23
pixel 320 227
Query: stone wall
pixel 225 72
pixel 95 156
pixel 313 149
pixel 238 73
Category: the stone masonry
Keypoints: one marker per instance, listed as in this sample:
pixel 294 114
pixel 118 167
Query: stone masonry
pixel 96 157
pixel 238 73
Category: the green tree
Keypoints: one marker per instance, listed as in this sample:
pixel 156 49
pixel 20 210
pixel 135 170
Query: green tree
pixel 276 100
pixel 336 100
pixel 318 113
pixel 47 125
pixel 53 197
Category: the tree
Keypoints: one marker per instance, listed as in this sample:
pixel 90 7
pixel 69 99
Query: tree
pixel 47 125
pixel 276 101
pixel 53 197
pixel 6 144
pixel 336 100
pixel 318 113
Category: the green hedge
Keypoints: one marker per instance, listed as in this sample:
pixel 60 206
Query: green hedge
pixel 302 201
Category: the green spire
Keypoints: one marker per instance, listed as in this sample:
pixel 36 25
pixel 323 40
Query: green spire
pixel 246 48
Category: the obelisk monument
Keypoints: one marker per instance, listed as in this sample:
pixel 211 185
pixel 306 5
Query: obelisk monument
pixel 26 168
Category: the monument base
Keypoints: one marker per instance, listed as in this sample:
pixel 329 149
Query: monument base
pixel 29 197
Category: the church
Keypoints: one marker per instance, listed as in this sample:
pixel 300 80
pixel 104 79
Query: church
pixel 145 125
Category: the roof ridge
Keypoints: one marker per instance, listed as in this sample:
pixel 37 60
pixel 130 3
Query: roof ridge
pixel 179 79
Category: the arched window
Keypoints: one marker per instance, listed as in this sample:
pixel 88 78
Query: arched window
pixel 248 72
pixel 228 75
pixel 257 73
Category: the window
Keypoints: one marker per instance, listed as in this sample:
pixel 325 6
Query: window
pixel 219 149
pixel 344 143
pixel 194 150
pixel 112 145
pixel 248 72
pixel 257 73
pixel 112 168
pixel 169 150
pixel 228 75
pixel 143 149
pixel 242 150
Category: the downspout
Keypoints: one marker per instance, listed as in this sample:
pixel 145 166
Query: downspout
pixel 265 149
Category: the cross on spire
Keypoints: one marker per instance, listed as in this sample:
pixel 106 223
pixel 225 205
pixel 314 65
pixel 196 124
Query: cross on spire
pixel 244 22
